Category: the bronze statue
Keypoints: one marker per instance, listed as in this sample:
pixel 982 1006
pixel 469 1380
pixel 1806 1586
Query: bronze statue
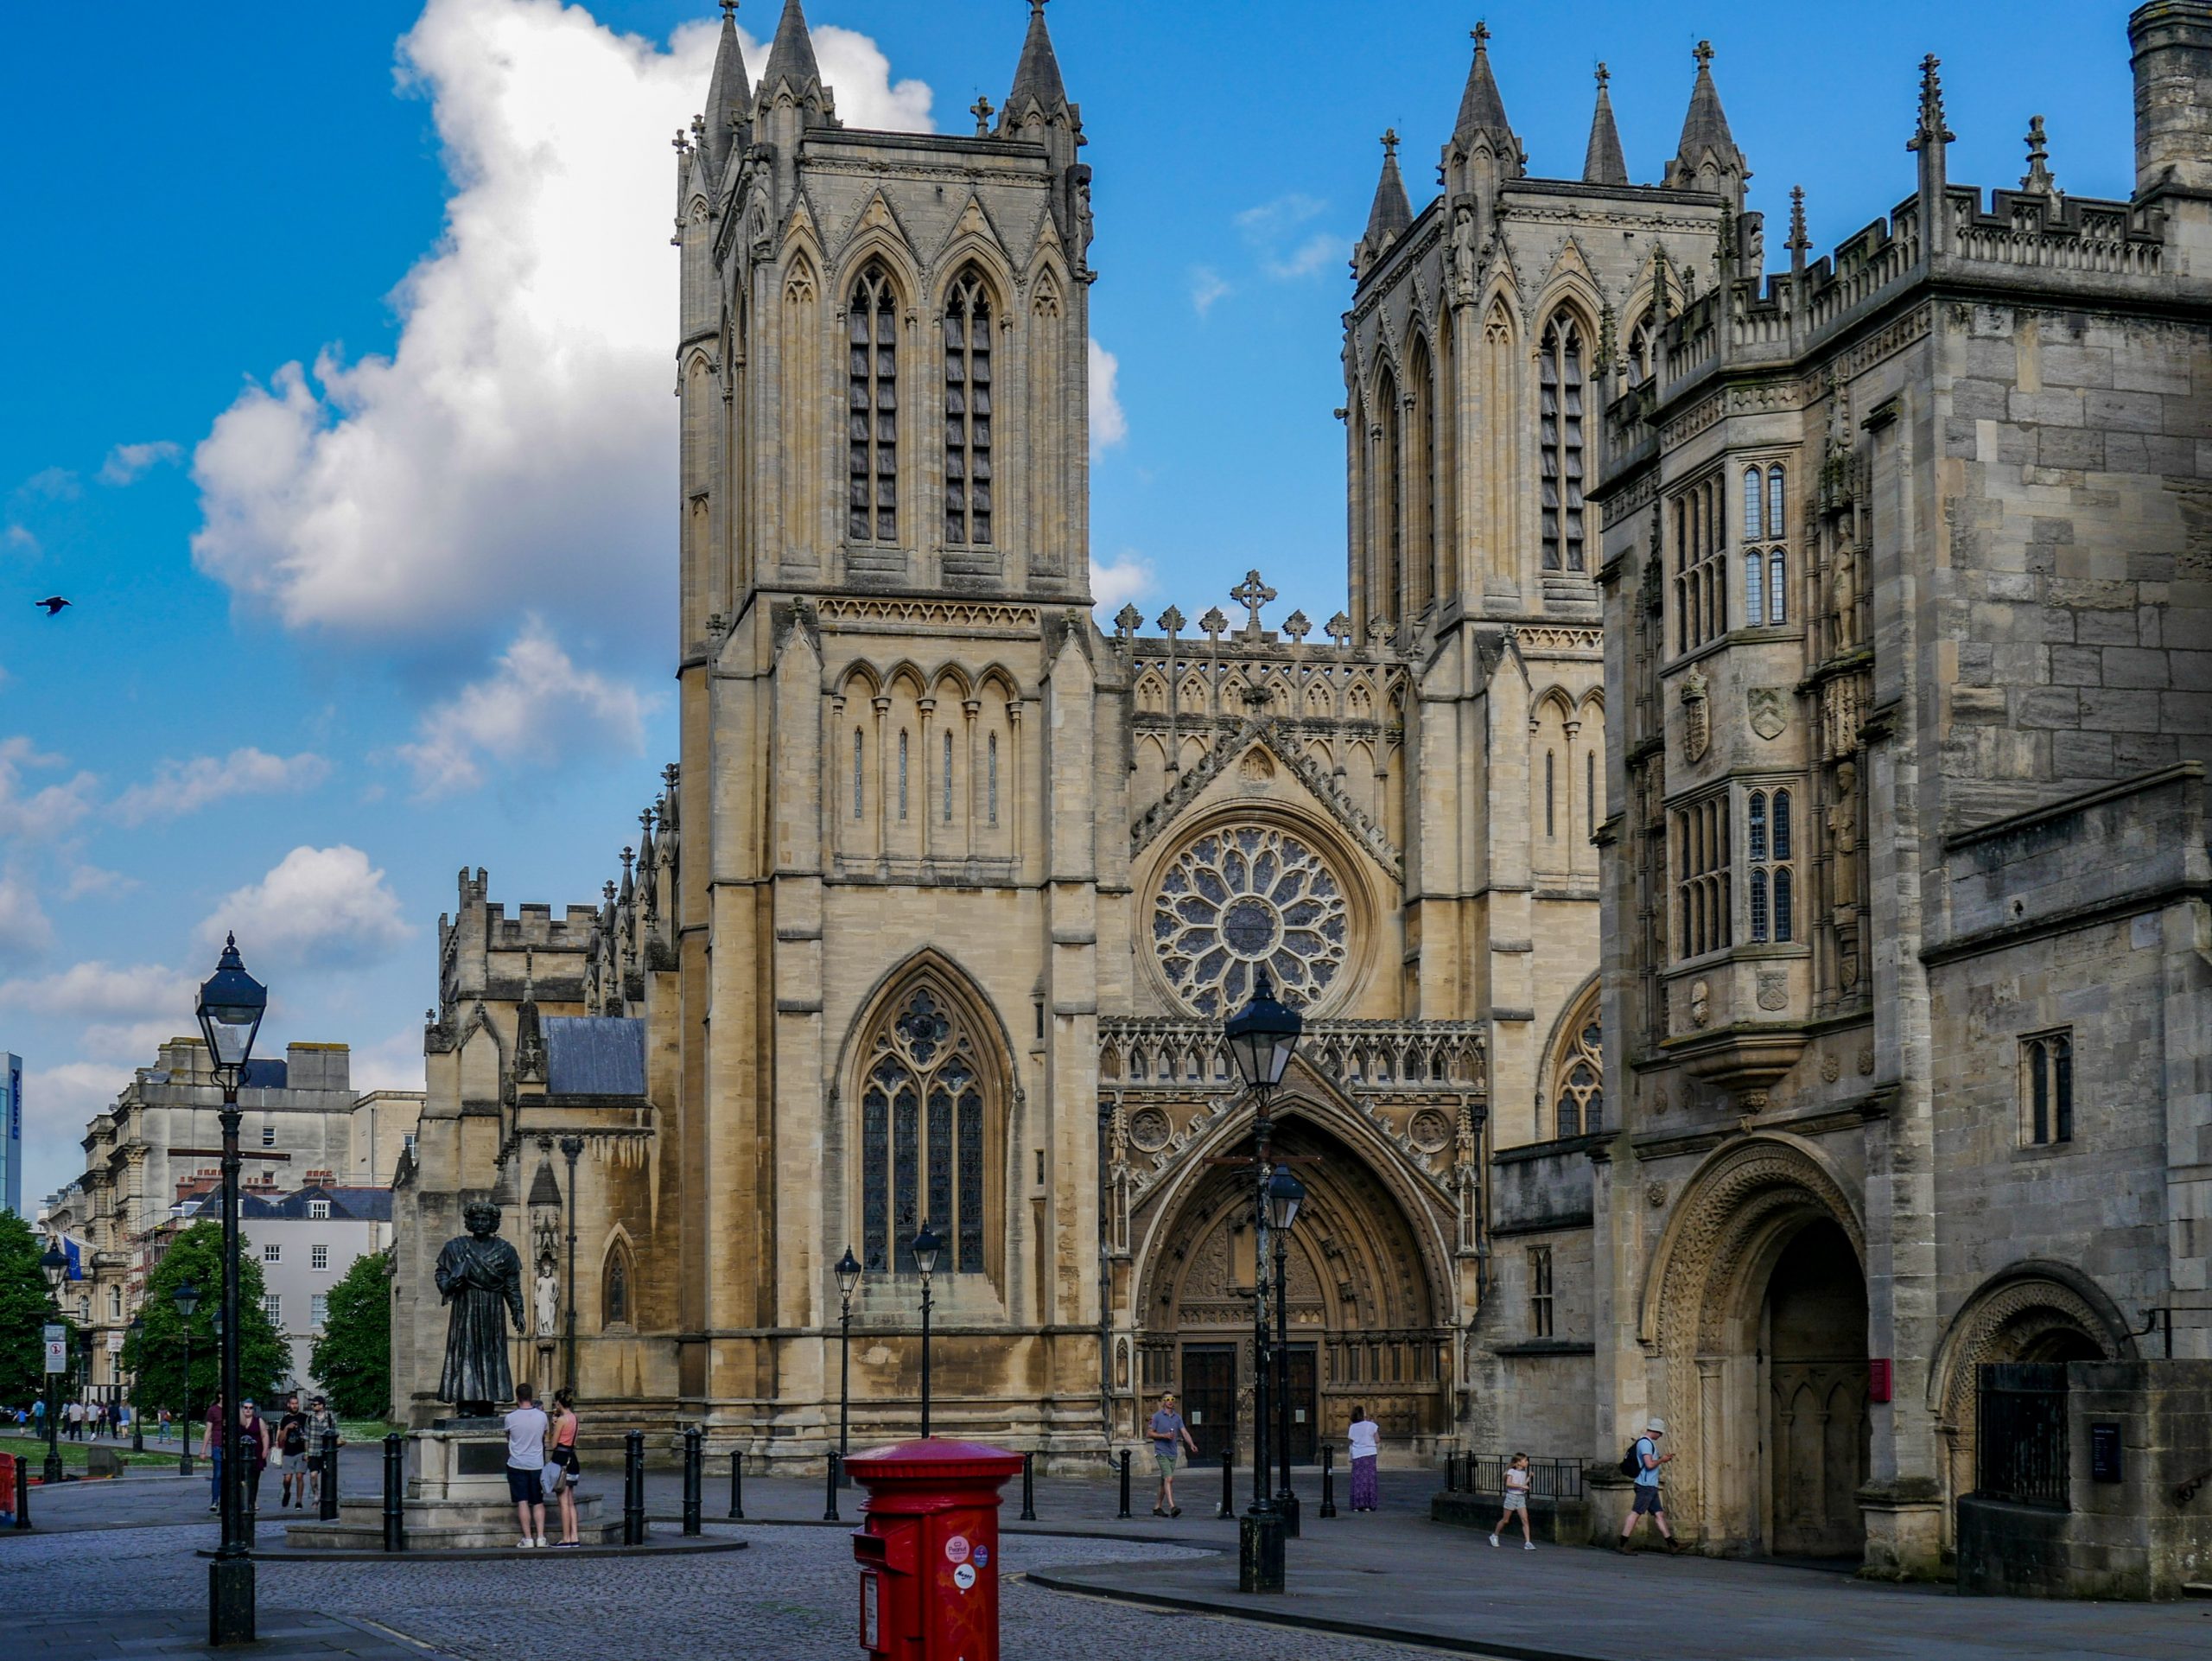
pixel 480 1276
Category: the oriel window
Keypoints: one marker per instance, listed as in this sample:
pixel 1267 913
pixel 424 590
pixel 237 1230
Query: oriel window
pixel 968 413
pixel 872 416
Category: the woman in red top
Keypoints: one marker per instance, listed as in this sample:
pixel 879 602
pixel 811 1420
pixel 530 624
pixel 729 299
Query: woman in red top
pixel 563 1453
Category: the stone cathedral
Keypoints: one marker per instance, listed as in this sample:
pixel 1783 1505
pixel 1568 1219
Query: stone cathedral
pixel 950 890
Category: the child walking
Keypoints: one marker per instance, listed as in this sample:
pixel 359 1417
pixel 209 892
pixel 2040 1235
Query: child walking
pixel 1516 1501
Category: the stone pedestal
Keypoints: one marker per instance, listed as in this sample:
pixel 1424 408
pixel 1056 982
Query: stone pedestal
pixel 460 1460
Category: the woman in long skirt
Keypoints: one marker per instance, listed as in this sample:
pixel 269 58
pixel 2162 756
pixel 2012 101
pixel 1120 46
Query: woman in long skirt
pixel 1365 1438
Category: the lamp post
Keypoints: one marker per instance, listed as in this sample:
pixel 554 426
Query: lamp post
pixel 232 1003
pixel 54 1265
pixel 187 1299
pixel 927 1247
pixel 572 1148
pixel 848 1280
pixel 138 1356
pixel 1284 1194
pixel 1262 1036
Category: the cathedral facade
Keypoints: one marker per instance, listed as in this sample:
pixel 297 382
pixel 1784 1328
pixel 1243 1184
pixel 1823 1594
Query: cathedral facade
pixel 951 889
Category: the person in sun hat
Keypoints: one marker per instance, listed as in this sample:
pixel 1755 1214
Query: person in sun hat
pixel 1649 1458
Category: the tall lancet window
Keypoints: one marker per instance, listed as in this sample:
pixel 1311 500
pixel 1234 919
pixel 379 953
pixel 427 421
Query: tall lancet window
pixel 967 412
pixel 1389 591
pixel 872 415
pixel 923 1141
pixel 1560 396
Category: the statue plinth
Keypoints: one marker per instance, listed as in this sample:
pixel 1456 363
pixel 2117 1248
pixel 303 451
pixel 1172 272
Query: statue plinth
pixel 460 1460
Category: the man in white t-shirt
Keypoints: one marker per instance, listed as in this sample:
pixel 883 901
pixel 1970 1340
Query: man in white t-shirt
pixel 526 1466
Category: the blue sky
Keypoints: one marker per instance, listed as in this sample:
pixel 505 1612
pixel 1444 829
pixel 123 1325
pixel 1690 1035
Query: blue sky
pixel 342 628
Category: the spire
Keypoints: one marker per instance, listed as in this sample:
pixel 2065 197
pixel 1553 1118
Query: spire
pixel 1707 158
pixel 1484 151
pixel 1480 107
pixel 792 68
pixel 729 98
pixel 1602 163
pixel 1931 142
pixel 1392 216
pixel 1038 75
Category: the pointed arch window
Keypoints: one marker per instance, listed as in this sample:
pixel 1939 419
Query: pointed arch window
pixel 1590 792
pixel 1577 1092
pixel 1771 878
pixel 967 412
pixel 992 749
pixel 1778 572
pixel 1754 589
pixel 1389 590
pixel 1551 793
pixel 902 774
pixel 1640 352
pixel 614 1287
pixel 1559 399
pixel 1422 580
pixel 948 778
pixel 924 1107
pixel 872 414
pixel 860 772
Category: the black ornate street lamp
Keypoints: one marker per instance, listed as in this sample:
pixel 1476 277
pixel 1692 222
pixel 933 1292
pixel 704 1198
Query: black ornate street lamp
pixel 137 1425
pixel 927 1247
pixel 1284 1194
pixel 54 1265
pixel 1262 1036
pixel 232 1003
pixel 848 1280
pixel 186 1297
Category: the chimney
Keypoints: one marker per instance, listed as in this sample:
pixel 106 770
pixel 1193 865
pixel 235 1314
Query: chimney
pixel 2172 42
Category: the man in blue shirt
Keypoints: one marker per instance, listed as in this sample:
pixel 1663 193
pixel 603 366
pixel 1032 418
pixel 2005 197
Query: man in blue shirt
pixel 1649 1458
pixel 1169 1438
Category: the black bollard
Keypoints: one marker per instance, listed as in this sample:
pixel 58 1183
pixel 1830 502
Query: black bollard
pixel 634 1488
pixel 395 1492
pixel 833 1474
pixel 693 1485
pixel 327 1507
pixel 1028 1488
pixel 1328 1478
pixel 1228 1483
pixel 736 1486
pixel 22 1491
pixel 1450 1473
pixel 1124 1511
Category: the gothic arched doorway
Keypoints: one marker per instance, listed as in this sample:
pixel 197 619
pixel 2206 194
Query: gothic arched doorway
pixel 1818 1431
pixel 1363 1323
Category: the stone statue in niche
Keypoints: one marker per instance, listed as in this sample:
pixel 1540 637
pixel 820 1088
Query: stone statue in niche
pixel 1843 834
pixel 1463 254
pixel 546 1297
pixel 480 1275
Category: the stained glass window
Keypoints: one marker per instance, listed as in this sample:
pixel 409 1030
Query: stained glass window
pixel 922 1138
pixel 1237 897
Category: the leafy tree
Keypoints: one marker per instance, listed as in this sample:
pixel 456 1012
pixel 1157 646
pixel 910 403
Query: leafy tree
pixel 25 1309
pixel 352 1358
pixel 155 1356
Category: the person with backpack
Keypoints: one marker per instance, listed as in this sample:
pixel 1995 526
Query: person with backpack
pixel 1642 1461
pixel 292 1455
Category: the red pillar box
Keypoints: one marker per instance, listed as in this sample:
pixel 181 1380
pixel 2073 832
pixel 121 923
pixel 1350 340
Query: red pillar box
pixel 929 1552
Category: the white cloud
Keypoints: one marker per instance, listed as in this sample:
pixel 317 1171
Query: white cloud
pixel 182 787
pixel 126 461
pixel 1109 426
pixel 23 928
pixel 394 1063
pixel 19 539
pixel 1114 582
pixel 1309 256
pixel 1272 229
pixel 43 815
pixel 57 1103
pixel 321 905
pixel 125 1012
pixel 1207 285
pixel 52 485
pixel 534 707
pixel 520 438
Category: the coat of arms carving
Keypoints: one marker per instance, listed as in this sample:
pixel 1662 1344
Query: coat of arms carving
pixel 1768 715
pixel 1697 717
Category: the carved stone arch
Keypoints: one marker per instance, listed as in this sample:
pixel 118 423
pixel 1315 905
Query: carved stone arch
pixel 907 674
pixel 1152 692
pixel 1555 696
pixel 951 678
pixel 879 234
pixel 859 680
pixel 1566 1051
pixel 996 680
pixel 1501 311
pixel 971 250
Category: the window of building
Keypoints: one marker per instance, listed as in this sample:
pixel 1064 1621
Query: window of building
pixel 872 424
pixel 318 1256
pixel 2047 1070
pixel 967 412
pixel 614 1287
pixel 859 756
pixel 268 1135
pixel 318 1310
pixel 407 1143
pixel 1754 589
pixel 1771 876
pixel 272 1253
pixel 902 772
pixel 115 1303
pixel 1701 579
pixel 1590 792
pixel 1392 461
pixel 1640 348
pixel 1551 794
pixel 1701 884
pixel 1766 570
pixel 922 1107
pixel 948 778
pixel 1559 395
pixel 274 1303
pixel 1578 1072
pixel 993 751
pixel 318 1209
pixel 1540 1291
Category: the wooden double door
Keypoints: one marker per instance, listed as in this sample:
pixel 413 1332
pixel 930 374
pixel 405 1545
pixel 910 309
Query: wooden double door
pixel 1209 1400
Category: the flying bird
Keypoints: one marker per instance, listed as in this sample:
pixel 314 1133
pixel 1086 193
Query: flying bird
pixel 53 602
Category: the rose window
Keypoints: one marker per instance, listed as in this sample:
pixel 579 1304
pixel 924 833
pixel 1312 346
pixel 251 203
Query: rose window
pixel 1237 899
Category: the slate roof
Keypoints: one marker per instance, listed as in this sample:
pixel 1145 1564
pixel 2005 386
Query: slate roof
pixel 347 1205
pixel 594 1055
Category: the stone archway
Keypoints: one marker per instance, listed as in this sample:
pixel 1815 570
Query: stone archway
pixel 1707 1312
pixel 1364 1320
pixel 2035 1311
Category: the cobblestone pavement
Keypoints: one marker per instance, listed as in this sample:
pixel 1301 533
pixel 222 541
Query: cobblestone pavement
pixel 791 1596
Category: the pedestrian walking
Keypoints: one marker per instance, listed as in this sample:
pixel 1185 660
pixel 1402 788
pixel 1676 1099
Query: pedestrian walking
pixel 292 1455
pixel 562 1458
pixel 1516 1501
pixel 1363 1441
pixel 527 1427
pixel 255 1444
pixel 1170 1436
pixel 210 1443
pixel 321 1423
pixel 76 1414
pixel 162 1432
pixel 1646 1459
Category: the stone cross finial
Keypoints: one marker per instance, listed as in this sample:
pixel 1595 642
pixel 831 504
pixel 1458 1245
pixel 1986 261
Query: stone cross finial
pixel 1480 35
pixel 980 109
pixel 1340 629
pixel 1127 621
pixel 1172 619
pixel 2038 179
pixel 1252 594
pixel 1603 73
pixel 676 144
pixel 1703 55
pixel 1298 626
pixel 1389 141
pixel 1213 622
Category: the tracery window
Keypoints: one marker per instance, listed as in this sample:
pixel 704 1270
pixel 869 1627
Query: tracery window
pixel 1387 597
pixel 1578 1075
pixel 1772 875
pixel 1559 396
pixel 1766 570
pixel 967 412
pixel 1236 898
pixel 1640 352
pixel 922 1136
pixel 872 415
pixel 1540 1291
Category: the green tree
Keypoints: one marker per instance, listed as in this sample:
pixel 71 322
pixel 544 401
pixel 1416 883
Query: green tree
pixel 155 1356
pixel 352 1358
pixel 25 1309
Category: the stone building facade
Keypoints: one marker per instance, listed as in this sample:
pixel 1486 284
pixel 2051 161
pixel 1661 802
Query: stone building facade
pixel 943 902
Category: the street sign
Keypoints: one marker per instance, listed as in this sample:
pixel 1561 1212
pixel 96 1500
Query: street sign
pixel 54 1332
pixel 57 1355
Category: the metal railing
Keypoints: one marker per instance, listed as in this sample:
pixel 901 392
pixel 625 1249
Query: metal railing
pixel 2020 1452
pixel 1485 1473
